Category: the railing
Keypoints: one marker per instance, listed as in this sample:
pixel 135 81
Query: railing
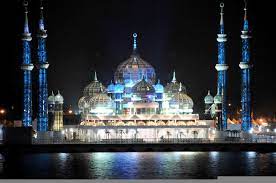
pixel 155 141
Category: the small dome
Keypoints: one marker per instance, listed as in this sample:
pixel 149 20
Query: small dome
pixel 159 88
pixel 110 88
pixel 100 100
pixel 94 87
pixel 59 98
pixel 119 88
pixel 174 86
pixel 51 98
pixel 217 99
pixel 83 102
pixel 183 102
pixel 209 99
pixel 143 88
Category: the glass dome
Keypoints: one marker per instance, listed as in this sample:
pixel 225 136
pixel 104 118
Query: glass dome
pixel 59 98
pixel 101 100
pixel 133 69
pixel 83 103
pixel 110 88
pixel 217 99
pixel 94 87
pixel 119 88
pixel 159 88
pixel 208 99
pixel 182 102
pixel 174 86
pixel 51 98
pixel 143 87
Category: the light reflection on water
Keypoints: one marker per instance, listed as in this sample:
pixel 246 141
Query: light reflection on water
pixel 135 165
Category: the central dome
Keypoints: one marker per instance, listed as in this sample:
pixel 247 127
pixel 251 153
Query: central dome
pixel 133 69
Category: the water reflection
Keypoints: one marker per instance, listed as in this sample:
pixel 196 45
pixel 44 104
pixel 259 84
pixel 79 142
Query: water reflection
pixel 134 165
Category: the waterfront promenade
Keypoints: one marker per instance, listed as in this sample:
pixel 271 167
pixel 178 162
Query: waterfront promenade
pixel 143 145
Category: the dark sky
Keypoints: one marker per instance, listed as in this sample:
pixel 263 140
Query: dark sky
pixel 86 35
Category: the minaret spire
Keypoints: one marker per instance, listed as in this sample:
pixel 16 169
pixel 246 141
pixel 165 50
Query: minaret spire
pixel 245 67
pixel 221 68
pixel 42 65
pixel 134 35
pixel 245 21
pixel 41 20
pixel 27 67
pixel 26 24
pixel 221 18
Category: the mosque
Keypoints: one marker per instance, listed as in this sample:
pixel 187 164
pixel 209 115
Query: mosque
pixel 135 105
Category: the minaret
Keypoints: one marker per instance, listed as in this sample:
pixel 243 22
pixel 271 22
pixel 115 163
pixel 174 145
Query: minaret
pixel 245 76
pixel 222 67
pixel 208 101
pixel 42 119
pixel 27 67
pixel 58 113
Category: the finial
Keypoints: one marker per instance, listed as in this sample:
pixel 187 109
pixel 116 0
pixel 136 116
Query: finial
pixel 221 13
pixel 134 35
pixel 95 76
pixel 53 93
pixel 101 88
pixel 180 87
pixel 174 78
pixel 209 93
pixel 245 21
pixel 58 92
pixel 245 10
pixel 26 24
pixel 41 20
pixel 158 81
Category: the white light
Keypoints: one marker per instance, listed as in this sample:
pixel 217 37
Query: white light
pixel 267 130
pixel 214 131
pixel 251 130
pixel 275 130
pixel 62 132
pixel 71 129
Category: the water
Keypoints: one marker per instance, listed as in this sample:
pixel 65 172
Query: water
pixel 138 165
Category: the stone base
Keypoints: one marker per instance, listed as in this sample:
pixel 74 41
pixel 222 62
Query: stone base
pixel 58 136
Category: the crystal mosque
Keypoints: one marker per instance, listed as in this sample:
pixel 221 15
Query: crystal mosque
pixel 135 104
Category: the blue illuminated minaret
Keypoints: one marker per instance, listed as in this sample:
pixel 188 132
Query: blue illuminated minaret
pixel 42 119
pixel 245 76
pixel 222 67
pixel 27 67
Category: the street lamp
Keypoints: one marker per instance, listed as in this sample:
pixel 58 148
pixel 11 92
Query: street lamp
pixel 2 111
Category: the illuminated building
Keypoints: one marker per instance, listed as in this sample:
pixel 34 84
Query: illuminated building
pixel 136 106
pixel 55 105
pixel 208 101
pixel 245 67
pixel 27 67
pixel 42 118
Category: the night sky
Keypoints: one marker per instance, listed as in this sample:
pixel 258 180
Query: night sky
pixel 86 35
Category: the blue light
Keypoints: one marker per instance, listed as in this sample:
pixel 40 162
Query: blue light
pixel 222 77
pixel 245 76
pixel 27 85
pixel 42 120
